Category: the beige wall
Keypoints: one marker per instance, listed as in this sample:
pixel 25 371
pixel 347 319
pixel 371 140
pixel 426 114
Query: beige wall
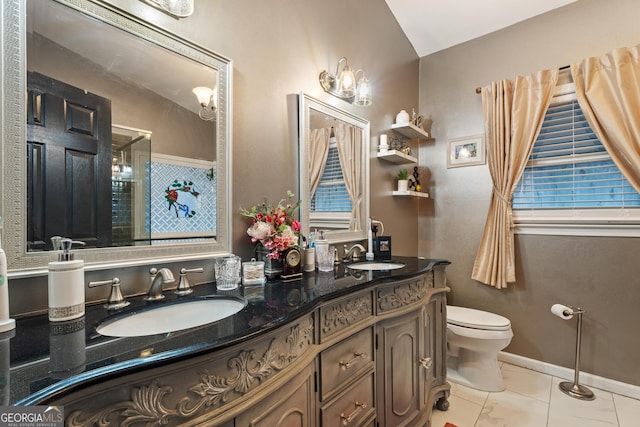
pixel 279 47
pixel 598 274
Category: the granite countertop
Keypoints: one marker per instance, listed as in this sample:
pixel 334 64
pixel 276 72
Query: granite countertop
pixel 45 360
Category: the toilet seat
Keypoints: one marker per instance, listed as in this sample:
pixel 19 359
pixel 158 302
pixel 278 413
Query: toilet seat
pixel 476 319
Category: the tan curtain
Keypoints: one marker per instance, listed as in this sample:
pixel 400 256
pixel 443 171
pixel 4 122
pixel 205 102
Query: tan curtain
pixel 513 115
pixel 608 91
pixel 349 143
pixel 318 153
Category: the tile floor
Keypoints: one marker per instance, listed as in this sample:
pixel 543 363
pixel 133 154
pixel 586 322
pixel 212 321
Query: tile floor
pixel 533 399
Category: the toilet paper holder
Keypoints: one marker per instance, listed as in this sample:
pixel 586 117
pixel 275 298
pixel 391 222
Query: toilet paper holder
pixel 566 312
pixel 573 389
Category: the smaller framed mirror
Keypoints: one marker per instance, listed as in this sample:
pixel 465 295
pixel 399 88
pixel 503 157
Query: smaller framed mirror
pixel 334 171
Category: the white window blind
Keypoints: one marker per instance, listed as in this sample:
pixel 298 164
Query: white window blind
pixel 331 194
pixel 570 178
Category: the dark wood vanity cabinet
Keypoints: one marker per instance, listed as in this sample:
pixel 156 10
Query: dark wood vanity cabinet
pixel 372 357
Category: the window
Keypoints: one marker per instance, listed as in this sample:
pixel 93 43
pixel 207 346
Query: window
pixel 331 205
pixel 570 184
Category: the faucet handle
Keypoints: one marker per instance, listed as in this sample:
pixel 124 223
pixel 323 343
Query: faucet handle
pixel 184 288
pixel 115 300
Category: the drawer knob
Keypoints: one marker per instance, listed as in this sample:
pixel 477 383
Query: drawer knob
pixel 356 358
pixel 346 419
pixel 426 362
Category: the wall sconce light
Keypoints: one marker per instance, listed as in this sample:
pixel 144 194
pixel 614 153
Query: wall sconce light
pixel 345 86
pixel 207 98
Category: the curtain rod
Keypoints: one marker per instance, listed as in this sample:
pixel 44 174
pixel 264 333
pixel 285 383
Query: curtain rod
pixel 479 89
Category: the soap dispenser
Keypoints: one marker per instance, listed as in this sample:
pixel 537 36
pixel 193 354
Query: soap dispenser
pixel 6 323
pixel 66 283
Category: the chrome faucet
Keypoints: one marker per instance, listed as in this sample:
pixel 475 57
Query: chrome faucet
pixel 350 254
pixel 158 279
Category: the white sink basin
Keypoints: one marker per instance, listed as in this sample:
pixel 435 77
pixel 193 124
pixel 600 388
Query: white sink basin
pixel 377 266
pixel 171 317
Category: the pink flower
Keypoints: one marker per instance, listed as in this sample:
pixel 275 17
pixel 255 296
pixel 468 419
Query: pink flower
pixel 296 225
pixel 260 230
pixel 288 236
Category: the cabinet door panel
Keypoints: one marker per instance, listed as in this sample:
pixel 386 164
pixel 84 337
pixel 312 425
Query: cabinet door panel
pixel 431 360
pixel 68 165
pixel 399 388
pixel 290 406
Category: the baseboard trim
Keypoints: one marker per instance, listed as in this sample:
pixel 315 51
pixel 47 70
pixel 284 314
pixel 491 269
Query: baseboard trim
pixel 586 378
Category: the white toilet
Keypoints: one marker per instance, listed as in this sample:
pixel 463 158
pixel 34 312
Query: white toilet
pixel 474 338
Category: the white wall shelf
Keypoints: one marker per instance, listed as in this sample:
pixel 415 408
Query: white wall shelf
pixel 410 193
pixel 397 157
pixel 410 131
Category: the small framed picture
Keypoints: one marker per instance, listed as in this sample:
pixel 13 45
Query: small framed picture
pixel 467 151
pixel 382 247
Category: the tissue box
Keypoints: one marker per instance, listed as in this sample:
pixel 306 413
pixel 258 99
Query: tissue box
pixel 253 273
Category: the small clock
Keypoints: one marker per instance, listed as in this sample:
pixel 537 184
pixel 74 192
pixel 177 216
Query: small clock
pixel 291 265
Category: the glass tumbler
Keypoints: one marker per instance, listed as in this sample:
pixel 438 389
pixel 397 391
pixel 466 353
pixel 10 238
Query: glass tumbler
pixel 227 272
pixel 324 255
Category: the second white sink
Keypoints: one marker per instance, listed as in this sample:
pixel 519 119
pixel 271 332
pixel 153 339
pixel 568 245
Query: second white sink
pixel 376 266
pixel 171 317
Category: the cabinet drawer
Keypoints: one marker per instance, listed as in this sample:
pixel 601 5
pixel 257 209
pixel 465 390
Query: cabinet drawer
pixel 337 316
pixel 404 293
pixel 353 407
pixel 345 360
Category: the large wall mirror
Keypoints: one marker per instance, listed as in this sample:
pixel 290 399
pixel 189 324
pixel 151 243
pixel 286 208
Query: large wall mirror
pixel 105 140
pixel 334 171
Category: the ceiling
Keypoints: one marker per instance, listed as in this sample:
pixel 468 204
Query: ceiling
pixel 434 25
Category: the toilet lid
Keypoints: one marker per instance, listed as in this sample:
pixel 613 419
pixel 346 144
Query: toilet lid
pixel 476 319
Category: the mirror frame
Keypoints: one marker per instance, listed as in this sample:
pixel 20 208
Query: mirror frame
pixel 13 154
pixel 307 103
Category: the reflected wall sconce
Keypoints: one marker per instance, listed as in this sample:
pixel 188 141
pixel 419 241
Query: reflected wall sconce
pixel 207 98
pixel 345 86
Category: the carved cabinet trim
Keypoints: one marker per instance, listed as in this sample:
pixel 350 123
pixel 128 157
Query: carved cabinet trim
pixel 218 382
pixel 403 293
pixel 345 312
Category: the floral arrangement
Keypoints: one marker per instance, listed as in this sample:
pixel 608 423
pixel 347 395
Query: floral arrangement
pixel 274 227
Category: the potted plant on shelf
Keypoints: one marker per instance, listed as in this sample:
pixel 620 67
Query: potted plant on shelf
pixel 403 180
